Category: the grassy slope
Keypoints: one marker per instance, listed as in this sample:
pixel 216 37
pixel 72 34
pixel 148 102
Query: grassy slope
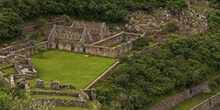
pixel 70 68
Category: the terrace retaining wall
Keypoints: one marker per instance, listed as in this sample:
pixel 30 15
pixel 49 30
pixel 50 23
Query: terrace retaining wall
pixel 181 97
pixel 63 102
pixel 208 104
pixel 55 93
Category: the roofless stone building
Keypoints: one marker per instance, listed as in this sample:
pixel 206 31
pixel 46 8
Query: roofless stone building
pixel 91 38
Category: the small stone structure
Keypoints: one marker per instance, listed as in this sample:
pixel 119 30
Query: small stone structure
pixel 21 83
pixel 91 94
pixel 55 85
pixel 24 65
pixel 39 84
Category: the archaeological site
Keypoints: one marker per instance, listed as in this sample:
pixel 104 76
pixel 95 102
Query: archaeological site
pixel 109 55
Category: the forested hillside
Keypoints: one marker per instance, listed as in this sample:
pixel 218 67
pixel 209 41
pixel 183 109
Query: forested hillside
pixel 134 84
pixel 176 65
pixel 179 64
pixel 13 12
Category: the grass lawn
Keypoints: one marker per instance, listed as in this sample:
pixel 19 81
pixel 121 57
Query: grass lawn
pixel 69 67
pixel 2 65
pixel 9 70
pixel 201 7
pixel 188 104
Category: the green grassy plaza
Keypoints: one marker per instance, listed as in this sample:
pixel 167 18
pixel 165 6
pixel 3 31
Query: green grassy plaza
pixel 70 67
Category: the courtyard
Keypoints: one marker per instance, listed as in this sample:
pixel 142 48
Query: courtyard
pixel 69 67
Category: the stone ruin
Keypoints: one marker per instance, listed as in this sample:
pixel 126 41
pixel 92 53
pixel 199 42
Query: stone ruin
pixel 55 85
pixel 91 38
pixel 21 83
pixel 39 84
pixel 24 66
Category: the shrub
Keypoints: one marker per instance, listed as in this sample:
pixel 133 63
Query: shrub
pixel 36 34
pixel 171 27
pixel 141 42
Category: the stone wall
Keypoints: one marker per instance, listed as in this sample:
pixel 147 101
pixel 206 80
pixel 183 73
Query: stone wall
pixel 208 104
pixel 181 97
pixel 26 48
pixel 63 102
pixel 3 80
pixel 30 28
pixel 55 93
pixel 199 2
pixel 104 75
pixel 110 40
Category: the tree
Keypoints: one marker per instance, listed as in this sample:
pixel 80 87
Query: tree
pixel 10 102
pixel 171 27
pixel 41 50
pixel 141 42
pixel 41 23
pixel 36 34
pixel 66 18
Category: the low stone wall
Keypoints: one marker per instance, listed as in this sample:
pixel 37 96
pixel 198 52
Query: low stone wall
pixel 6 67
pixel 215 100
pixel 199 2
pixel 63 102
pixel 27 48
pixel 67 87
pixel 55 93
pixel 104 75
pixel 181 97
pixel 31 50
pixel 208 104
pixel 143 51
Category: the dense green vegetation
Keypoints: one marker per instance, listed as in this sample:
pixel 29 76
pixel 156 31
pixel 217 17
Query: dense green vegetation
pixel 13 12
pixel 178 64
pixel 69 67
